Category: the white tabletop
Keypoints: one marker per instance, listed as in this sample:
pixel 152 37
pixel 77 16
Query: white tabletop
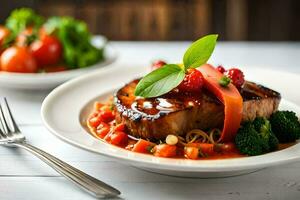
pixel 22 176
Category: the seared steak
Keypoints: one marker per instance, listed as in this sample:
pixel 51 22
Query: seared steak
pixel 177 113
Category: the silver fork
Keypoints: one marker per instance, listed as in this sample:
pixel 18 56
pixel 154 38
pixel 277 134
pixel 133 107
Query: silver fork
pixel 10 135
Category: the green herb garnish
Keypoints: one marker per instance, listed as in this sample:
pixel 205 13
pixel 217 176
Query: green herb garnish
pixel 150 149
pixel 200 51
pixel 224 81
pixel 163 80
pixel 21 18
pixel 78 52
pixel 160 81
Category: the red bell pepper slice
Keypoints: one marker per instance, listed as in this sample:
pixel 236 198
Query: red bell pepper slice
pixel 229 96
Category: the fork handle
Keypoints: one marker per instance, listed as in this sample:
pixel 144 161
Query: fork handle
pixel 90 184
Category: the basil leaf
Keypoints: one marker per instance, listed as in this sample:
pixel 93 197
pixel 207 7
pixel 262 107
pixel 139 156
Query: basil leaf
pixel 200 51
pixel 160 81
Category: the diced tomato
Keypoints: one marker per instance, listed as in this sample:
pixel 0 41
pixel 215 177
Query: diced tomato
pixel 120 127
pixel 102 130
pixel 119 138
pixel 205 148
pixel 143 146
pixel 107 115
pixel 165 150
pixel 107 138
pixel 105 108
pixel 98 105
pixel 130 145
pixel 95 121
pixel 191 152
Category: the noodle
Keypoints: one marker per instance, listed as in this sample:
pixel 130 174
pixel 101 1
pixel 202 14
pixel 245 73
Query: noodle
pixel 197 135
pixel 214 133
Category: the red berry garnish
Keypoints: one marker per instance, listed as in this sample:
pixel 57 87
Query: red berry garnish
pixel 158 64
pixel 221 69
pixel 236 76
pixel 192 82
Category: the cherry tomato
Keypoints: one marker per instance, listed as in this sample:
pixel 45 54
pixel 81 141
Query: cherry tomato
pixel 4 33
pixel 119 138
pixel 191 152
pixel 47 50
pixel 18 59
pixel 158 64
pixel 165 150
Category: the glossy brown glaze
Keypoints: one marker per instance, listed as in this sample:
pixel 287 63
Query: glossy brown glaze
pixel 177 112
pixel 253 91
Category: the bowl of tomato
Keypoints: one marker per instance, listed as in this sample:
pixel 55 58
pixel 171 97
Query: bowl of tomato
pixel 39 53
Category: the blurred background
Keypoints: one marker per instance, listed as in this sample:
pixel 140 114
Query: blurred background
pixel 249 20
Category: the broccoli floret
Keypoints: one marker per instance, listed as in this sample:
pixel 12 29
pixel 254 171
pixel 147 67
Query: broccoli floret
pixel 255 138
pixel 263 127
pixel 248 141
pixel 273 142
pixel 21 18
pixel 285 125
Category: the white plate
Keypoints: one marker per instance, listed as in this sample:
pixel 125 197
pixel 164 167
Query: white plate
pixel 64 110
pixel 41 81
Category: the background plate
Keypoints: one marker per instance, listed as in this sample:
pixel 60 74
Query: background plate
pixel 41 81
pixel 64 111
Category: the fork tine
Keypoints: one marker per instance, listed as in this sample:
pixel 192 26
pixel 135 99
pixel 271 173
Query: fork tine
pixel 15 126
pixel 6 128
pixel 1 129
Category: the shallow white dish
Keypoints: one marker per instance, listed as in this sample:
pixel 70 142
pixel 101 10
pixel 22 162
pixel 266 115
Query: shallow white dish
pixel 40 81
pixel 65 109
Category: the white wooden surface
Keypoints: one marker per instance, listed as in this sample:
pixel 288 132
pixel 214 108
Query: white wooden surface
pixel 22 176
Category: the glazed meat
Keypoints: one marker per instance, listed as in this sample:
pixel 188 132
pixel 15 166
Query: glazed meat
pixel 177 113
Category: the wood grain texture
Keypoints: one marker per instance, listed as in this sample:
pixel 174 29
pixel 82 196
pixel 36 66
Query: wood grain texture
pixel 177 19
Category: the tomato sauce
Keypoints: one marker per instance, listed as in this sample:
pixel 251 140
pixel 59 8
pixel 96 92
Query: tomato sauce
pixel 102 125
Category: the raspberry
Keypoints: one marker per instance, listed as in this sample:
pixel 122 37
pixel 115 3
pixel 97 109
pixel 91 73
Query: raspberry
pixel 158 64
pixel 236 76
pixel 221 69
pixel 192 82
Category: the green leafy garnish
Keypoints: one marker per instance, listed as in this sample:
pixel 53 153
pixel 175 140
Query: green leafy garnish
pixel 21 18
pixel 76 40
pixel 224 81
pixel 160 81
pixel 200 51
pixel 166 78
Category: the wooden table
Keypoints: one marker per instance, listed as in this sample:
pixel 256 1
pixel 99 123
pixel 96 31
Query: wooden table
pixel 24 177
